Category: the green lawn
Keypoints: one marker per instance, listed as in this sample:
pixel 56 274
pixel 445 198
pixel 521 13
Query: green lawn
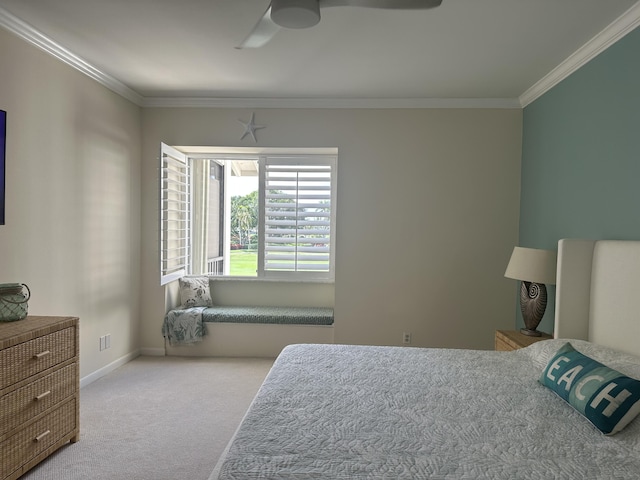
pixel 244 263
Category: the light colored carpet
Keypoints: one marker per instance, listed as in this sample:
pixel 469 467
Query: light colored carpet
pixel 157 418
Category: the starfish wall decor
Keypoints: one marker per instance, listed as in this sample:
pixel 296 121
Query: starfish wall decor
pixel 250 128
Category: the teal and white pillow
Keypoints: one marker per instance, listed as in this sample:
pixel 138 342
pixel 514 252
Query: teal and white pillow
pixel 606 397
pixel 194 292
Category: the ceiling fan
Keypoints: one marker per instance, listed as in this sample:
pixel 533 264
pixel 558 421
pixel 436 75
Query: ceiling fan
pixel 306 13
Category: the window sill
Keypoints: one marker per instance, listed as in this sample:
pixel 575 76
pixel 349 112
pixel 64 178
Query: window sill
pixel 270 280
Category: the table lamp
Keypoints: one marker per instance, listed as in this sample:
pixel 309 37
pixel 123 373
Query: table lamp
pixel 534 268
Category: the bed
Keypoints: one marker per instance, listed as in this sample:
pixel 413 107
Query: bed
pixel 356 412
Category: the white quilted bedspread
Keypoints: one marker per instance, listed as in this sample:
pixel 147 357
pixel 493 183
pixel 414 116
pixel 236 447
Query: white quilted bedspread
pixel 355 412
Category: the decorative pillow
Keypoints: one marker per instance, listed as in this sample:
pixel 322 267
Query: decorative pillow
pixel 606 397
pixel 194 292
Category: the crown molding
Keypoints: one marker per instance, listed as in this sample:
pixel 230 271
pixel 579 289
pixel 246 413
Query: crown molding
pixel 379 103
pixel 28 33
pixel 617 29
pixel 620 27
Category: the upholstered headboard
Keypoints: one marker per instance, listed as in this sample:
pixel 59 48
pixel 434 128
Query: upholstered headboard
pixel 598 293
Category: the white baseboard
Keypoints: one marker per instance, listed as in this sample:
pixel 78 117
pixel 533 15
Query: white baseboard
pixel 153 352
pixel 101 372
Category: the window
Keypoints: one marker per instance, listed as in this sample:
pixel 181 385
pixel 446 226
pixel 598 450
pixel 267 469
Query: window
pixel 174 214
pixel 296 216
pixel 267 215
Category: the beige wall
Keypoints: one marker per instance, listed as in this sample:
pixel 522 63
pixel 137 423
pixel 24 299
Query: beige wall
pixel 428 203
pixel 72 205
pixel 427 217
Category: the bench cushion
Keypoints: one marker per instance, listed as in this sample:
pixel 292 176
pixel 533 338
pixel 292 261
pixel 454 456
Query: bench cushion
pixel 280 315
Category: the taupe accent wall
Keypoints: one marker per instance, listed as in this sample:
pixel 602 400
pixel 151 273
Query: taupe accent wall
pixel 428 203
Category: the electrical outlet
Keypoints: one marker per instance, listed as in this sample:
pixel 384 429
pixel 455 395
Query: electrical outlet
pixel 105 341
pixel 406 338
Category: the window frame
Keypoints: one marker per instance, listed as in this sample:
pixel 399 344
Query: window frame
pixel 301 156
pixel 329 162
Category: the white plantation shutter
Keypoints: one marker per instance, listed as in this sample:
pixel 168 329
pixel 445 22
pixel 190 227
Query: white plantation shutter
pixel 297 199
pixel 175 215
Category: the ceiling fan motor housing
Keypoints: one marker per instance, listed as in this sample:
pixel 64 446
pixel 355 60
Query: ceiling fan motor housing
pixel 295 13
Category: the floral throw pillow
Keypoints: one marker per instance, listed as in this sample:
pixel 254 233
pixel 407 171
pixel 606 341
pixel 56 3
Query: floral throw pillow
pixel 194 292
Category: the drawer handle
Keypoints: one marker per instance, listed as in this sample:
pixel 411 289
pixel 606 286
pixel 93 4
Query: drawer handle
pixel 42 395
pixel 37 356
pixel 41 436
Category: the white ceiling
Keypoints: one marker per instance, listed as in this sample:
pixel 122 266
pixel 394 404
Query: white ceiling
pixel 167 50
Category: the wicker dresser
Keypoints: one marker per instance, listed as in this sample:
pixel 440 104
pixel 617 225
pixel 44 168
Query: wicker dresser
pixel 39 390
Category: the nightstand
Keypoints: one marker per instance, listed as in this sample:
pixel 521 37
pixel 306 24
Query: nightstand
pixel 507 340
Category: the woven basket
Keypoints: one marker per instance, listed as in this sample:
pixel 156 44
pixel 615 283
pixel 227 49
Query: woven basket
pixel 14 299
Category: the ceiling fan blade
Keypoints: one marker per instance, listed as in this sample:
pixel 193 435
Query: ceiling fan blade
pixel 263 31
pixel 388 4
pixel 266 28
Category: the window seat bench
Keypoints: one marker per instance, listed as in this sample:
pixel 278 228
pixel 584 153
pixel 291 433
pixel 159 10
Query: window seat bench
pixel 256 331
pixel 279 315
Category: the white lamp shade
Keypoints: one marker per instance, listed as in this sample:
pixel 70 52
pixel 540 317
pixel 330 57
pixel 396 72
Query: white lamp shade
pixel 532 265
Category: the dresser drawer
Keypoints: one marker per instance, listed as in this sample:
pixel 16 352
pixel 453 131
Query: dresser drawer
pixel 24 404
pixel 46 433
pixel 34 356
